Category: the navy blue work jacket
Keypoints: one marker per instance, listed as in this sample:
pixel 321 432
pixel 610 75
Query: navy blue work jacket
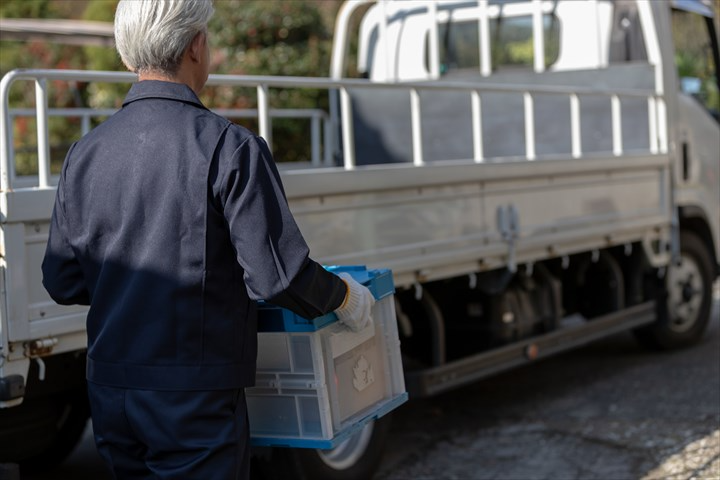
pixel 169 222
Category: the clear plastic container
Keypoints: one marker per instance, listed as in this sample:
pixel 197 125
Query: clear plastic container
pixel 315 388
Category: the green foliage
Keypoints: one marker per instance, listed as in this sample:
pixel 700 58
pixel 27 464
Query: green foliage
pixel 101 58
pixel 259 24
pixel 25 9
pixel 693 56
pixel 518 53
pixel 38 54
pixel 272 37
pixel 254 37
pixel 98 95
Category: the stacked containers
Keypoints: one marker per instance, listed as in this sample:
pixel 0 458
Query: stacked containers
pixel 317 381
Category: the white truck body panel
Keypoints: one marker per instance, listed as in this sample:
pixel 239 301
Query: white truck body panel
pixel 425 223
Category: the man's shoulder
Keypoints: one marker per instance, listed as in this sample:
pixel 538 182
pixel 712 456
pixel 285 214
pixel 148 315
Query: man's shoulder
pixel 239 133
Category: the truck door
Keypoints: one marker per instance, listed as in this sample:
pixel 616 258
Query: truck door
pixel 696 60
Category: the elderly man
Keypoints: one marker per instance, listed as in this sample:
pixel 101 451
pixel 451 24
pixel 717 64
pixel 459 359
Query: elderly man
pixel 170 221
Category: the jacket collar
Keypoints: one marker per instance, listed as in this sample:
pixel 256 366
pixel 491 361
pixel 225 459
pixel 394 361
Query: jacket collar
pixel 160 89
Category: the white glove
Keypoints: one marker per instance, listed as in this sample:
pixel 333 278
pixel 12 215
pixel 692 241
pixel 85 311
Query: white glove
pixel 355 311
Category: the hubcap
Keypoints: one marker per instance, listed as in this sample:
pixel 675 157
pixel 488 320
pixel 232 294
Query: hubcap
pixel 347 453
pixel 685 294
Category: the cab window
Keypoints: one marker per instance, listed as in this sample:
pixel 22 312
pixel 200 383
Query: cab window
pixel 511 41
pixel 696 58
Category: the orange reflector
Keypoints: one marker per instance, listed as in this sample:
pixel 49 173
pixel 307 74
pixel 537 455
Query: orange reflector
pixel 532 351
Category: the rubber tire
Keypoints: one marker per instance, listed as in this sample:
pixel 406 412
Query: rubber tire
pixel 307 464
pixel 72 412
pixel 661 334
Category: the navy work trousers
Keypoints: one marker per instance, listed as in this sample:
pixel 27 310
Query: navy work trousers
pixel 150 434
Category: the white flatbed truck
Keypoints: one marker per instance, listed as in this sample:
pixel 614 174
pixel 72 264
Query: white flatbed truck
pixel 530 194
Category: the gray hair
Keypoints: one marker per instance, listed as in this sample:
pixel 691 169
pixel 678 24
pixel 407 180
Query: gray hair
pixel 152 35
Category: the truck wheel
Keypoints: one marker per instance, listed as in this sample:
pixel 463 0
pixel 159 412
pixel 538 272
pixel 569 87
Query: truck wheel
pixel 70 413
pixel 683 314
pixel 357 458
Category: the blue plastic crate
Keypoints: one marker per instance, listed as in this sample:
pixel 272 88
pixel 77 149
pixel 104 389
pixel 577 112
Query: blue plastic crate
pixel 325 444
pixel 318 382
pixel 275 319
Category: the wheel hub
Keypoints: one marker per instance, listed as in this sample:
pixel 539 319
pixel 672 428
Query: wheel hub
pixel 347 453
pixel 685 294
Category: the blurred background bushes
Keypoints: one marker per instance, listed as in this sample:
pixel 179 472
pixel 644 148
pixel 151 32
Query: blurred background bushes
pixel 251 37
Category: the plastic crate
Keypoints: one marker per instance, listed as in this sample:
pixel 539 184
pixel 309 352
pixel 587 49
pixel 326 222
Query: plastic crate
pixel 317 381
pixel 274 319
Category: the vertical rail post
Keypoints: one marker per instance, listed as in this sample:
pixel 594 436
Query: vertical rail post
pixel 415 112
pixel 8 171
pixel 484 39
pixel 85 124
pixel 384 44
pixel 575 126
pixel 662 125
pixel 6 137
pixel 42 133
pixel 315 140
pixel 264 114
pixel 652 125
pixel 617 126
pixel 478 153
pixel 327 141
pixel 538 37
pixel 529 126
pixel 434 41
pixel 655 58
pixel 348 139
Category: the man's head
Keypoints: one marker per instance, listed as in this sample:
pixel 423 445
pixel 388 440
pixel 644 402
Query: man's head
pixel 153 36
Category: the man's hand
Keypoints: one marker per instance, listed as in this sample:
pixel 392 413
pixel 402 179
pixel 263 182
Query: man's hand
pixel 355 311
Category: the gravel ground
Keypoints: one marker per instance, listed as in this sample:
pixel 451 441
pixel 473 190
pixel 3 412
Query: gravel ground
pixel 609 411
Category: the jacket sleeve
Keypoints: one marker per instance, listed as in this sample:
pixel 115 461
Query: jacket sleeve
pixel 268 242
pixel 62 274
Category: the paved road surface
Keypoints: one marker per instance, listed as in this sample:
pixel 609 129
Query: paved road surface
pixel 609 411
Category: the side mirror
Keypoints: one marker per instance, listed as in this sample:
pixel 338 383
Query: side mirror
pixel 690 85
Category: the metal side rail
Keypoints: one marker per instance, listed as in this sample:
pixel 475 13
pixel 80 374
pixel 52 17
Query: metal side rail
pixel 435 380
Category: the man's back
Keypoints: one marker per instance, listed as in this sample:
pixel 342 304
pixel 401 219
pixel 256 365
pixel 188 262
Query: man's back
pixel 166 289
